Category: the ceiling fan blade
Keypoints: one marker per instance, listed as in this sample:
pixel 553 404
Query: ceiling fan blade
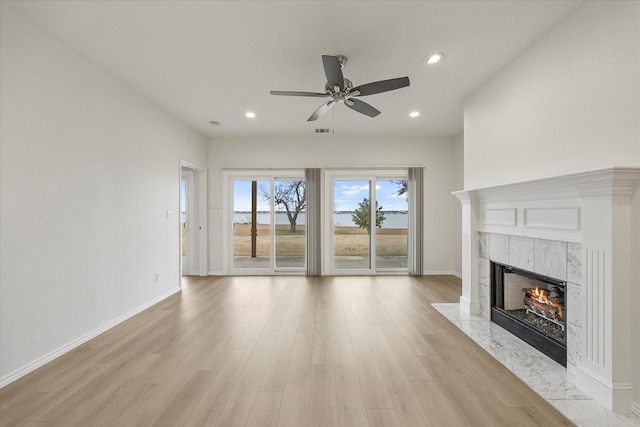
pixel 362 107
pixel 381 86
pixel 321 110
pixel 333 71
pixel 288 93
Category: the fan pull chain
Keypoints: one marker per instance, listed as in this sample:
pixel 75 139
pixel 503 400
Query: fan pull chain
pixel 333 120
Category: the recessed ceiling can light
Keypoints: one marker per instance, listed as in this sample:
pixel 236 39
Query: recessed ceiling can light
pixel 434 58
pixel 414 114
pixel 250 114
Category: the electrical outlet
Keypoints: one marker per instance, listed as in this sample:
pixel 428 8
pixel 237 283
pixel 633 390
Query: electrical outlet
pixel 157 277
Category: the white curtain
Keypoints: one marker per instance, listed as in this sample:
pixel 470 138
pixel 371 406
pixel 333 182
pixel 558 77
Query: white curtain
pixel 313 221
pixel 416 227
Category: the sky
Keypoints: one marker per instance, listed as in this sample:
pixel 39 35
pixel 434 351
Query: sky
pixel 347 194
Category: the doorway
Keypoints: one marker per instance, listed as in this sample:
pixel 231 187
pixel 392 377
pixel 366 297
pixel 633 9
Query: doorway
pixel 268 215
pixel 186 221
pixel 369 222
pixel 193 229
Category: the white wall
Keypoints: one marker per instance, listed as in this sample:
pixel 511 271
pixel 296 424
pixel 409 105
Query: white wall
pixel 568 104
pixel 435 154
pixel 88 169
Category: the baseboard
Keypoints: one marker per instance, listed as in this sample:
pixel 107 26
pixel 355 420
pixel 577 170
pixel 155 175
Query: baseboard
pixel 466 306
pixel 441 273
pixel 32 366
pixel 427 273
pixel 616 397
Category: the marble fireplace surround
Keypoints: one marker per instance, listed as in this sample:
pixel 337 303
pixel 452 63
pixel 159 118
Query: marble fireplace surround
pixel 550 258
pixel 576 228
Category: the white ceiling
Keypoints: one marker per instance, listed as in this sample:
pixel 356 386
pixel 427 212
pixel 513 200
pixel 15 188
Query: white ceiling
pixel 206 60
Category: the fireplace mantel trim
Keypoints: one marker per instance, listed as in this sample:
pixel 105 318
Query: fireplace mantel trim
pixel 613 180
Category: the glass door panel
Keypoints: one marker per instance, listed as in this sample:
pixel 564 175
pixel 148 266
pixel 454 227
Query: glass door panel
pixel 392 224
pixel 351 218
pixel 289 198
pixel 251 224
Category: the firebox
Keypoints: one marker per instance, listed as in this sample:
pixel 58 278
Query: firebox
pixel 532 307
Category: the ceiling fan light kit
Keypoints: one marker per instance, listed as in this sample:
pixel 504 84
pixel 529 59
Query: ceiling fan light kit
pixel 341 90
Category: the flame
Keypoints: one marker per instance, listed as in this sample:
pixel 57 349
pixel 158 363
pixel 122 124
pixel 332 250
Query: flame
pixel 541 296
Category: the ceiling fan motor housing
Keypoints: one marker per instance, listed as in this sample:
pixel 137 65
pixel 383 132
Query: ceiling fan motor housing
pixel 348 85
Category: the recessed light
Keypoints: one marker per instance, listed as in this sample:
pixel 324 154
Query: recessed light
pixel 250 114
pixel 414 114
pixel 434 58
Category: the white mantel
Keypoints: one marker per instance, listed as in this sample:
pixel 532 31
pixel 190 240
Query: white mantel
pixel 594 209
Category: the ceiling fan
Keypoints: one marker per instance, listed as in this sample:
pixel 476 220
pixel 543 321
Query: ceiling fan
pixel 341 90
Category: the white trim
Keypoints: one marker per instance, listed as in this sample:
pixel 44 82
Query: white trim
pixel 467 306
pixel 203 221
pixel 32 366
pixel 503 216
pixel 615 397
pixel 552 218
pixel 188 262
pixel 227 223
pixel 251 174
pixel 199 218
pixel 350 174
pixel 442 273
pixel 190 165
pixel 614 180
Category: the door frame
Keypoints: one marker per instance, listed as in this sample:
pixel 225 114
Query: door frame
pixel 197 230
pixel 188 261
pixel 371 175
pixel 271 175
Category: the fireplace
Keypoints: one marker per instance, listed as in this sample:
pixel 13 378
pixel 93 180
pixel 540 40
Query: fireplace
pixel 532 307
pixel 580 229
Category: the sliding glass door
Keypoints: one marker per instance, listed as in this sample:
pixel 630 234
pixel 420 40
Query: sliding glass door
pixel 362 222
pixel 251 224
pixel 268 223
pixel 351 231
pixel 369 223
pixel 290 205
pixel 391 241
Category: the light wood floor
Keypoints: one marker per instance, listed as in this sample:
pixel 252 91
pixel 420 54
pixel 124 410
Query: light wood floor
pixel 282 351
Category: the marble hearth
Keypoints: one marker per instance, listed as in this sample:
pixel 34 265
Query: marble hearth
pixel 580 228
pixel 543 375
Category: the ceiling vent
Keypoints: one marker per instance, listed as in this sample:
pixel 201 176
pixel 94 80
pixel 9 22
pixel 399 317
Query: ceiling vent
pixel 323 130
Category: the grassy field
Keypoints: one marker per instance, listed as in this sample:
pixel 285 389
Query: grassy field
pixel 349 241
